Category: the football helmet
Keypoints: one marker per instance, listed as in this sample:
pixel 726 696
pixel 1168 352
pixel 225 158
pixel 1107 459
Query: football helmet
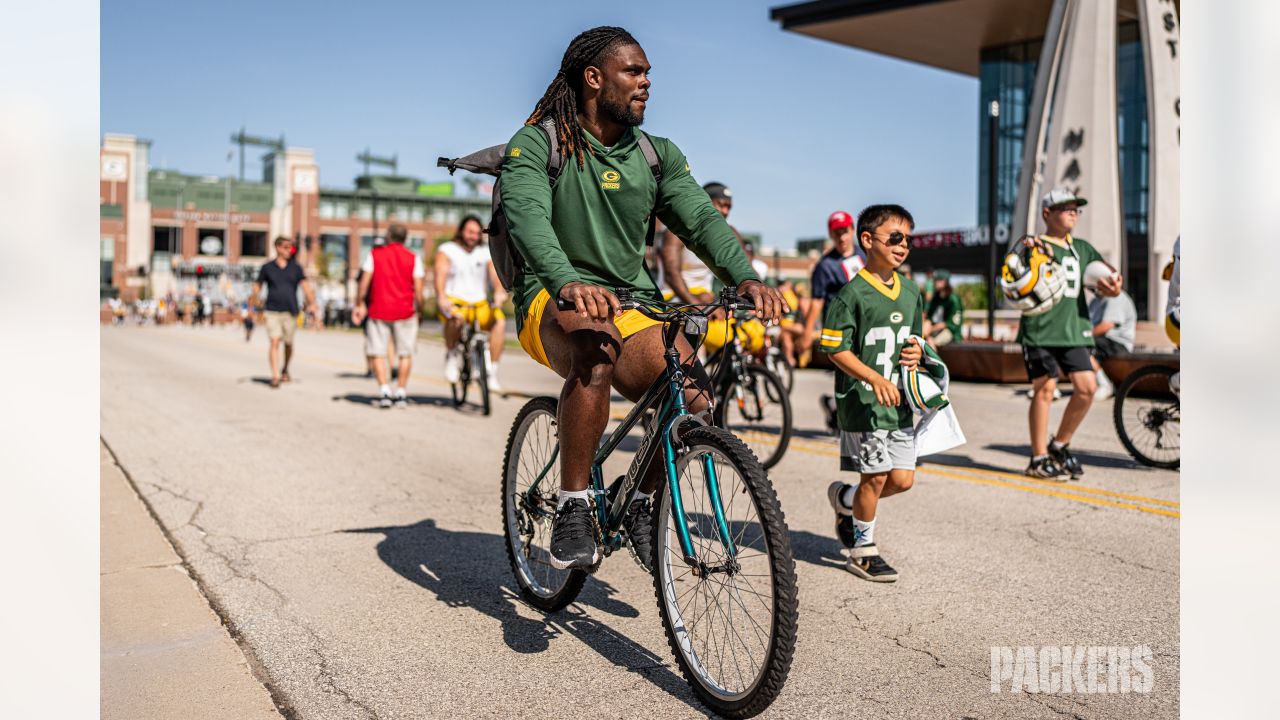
pixel 1032 281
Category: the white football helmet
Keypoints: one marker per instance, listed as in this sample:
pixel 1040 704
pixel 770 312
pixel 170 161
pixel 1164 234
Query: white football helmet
pixel 1032 281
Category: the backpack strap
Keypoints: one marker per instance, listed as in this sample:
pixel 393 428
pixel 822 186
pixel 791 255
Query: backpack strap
pixel 655 167
pixel 554 161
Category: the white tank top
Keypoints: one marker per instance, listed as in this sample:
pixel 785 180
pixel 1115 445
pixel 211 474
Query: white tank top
pixel 468 272
pixel 696 274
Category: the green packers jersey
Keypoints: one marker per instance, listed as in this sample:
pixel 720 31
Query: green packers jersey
pixel 1067 323
pixel 873 321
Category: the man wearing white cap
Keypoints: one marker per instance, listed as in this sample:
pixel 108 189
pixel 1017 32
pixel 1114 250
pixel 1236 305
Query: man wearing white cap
pixel 1061 340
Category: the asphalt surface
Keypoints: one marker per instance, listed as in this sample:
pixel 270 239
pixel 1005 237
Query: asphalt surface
pixel 356 553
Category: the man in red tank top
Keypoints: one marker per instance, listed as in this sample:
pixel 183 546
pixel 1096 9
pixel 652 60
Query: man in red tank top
pixel 391 285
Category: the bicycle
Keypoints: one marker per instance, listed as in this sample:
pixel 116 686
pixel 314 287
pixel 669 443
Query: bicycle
pixel 1148 418
pixel 725 569
pixel 751 401
pixel 776 362
pixel 475 356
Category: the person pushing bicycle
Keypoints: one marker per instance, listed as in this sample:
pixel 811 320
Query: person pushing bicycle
pixel 585 237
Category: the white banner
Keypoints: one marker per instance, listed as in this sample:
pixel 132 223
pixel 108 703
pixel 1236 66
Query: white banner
pixel 1083 154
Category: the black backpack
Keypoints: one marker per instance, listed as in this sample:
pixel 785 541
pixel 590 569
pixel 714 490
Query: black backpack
pixel 506 258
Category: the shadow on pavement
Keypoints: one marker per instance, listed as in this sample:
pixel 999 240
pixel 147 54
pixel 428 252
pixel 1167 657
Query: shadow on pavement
pixel 258 380
pixel 1106 460
pixel 467 569
pixel 820 550
pixel 372 400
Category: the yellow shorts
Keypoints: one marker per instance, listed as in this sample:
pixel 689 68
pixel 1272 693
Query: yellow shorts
pixel 670 295
pixel 750 334
pixel 481 312
pixel 628 323
pixel 1173 330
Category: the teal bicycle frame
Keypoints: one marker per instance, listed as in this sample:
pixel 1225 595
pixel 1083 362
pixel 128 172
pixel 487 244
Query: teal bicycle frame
pixel 666 397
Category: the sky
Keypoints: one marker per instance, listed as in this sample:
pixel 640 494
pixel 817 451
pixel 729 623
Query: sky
pixel 796 127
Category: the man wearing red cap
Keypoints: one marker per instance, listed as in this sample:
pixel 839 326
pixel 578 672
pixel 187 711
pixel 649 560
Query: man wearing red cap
pixel 838 266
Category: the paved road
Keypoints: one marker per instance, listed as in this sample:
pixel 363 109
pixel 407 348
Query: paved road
pixel 357 553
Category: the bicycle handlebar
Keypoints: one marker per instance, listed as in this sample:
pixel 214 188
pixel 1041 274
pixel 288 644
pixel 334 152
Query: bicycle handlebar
pixel 729 300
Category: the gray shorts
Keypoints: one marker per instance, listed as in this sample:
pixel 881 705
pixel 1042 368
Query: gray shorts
pixel 377 332
pixel 878 451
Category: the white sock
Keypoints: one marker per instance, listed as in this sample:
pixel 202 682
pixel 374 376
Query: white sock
pixel 863 532
pixel 400 392
pixel 846 497
pixel 567 495
pixel 385 389
pixel 643 496
pixel 1055 445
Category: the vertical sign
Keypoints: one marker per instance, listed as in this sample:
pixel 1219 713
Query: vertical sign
pixel 1158 21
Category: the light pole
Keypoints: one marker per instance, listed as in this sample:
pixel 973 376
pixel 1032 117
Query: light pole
pixel 993 154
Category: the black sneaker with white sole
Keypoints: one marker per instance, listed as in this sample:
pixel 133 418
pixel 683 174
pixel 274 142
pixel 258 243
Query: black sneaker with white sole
pixel 844 515
pixel 1046 468
pixel 638 525
pixel 573 537
pixel 1065 460
pixel 866 563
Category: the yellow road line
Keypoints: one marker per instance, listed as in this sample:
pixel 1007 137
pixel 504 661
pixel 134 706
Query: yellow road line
pixel 1074 488
pixel 1046 491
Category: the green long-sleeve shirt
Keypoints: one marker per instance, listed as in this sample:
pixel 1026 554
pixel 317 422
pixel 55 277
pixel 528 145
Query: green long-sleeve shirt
pixel 591 227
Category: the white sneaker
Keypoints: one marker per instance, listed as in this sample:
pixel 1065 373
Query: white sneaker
pixel 452 359
pixel 1105 388
pixel 491 372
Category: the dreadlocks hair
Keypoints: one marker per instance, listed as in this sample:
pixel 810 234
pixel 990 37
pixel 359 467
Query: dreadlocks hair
pixel 560 101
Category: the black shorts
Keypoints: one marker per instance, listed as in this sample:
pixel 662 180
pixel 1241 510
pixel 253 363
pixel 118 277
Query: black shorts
pixel 1107 348
pixel 1052 361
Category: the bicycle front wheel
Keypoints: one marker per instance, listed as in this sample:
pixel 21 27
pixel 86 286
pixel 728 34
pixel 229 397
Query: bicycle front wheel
pixel 730 621
pixel 1148 418
pixel 532 458
pixel 755 407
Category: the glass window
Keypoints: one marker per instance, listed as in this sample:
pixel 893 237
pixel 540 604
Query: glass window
pixel 326 210
pixel 253 243
pixel 342 210
pixel 364 211
pixel 166 240
pixel 415 214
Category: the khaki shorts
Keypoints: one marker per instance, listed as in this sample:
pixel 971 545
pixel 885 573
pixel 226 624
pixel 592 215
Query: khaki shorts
pixel 377 332
pixel 281 325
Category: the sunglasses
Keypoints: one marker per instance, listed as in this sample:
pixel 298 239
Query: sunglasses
pixel 896 238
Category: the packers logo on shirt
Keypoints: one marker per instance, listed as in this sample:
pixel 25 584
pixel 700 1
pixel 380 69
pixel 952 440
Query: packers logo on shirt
pixel 610 178
pixel 515 152
pixel 895 317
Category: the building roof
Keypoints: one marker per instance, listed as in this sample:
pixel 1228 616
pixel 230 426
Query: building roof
pixel 945 34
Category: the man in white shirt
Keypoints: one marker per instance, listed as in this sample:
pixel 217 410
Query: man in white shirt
pixel 464 273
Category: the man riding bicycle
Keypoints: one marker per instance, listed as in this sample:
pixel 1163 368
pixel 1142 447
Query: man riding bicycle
pixel 463 274
pixel 586 237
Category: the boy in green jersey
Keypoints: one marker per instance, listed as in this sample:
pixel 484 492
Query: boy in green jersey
pixel 1061 340
pixel 867 329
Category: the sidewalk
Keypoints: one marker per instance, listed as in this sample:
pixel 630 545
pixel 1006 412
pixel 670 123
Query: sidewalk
pixel 165 654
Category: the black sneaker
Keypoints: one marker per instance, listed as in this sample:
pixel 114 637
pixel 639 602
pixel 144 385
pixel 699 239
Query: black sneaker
pixel 844 515
pixel 638 525
pixel 1046 469
pixel 1067 461
pixel 828 403
pixel 573 537
pixel 866 563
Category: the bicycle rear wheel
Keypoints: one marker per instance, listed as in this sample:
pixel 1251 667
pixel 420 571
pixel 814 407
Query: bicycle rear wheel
pixel 732 629
pixel 1148 418
pixel 479 358
pixel 755 407
pixel 533 456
